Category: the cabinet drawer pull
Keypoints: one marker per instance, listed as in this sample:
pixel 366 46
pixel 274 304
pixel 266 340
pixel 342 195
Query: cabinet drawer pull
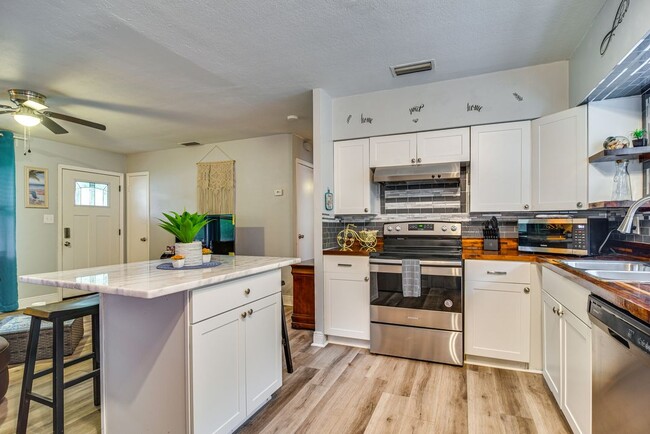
pixel 247 291
pixel 344 265
pixel 497 273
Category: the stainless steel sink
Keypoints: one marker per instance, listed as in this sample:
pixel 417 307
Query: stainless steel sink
pixel 595 264
pixel 624 276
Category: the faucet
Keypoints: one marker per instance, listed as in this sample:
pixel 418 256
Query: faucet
pixel 626 225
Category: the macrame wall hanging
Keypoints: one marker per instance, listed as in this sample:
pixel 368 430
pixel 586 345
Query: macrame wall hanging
pixel 216 187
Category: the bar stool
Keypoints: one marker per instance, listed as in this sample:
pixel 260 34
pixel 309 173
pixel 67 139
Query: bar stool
pixel 57 314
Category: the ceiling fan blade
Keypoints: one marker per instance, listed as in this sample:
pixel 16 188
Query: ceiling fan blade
pixel 52 126
pixel 75 120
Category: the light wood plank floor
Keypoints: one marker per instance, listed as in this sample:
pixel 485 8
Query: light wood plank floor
pixel 341 389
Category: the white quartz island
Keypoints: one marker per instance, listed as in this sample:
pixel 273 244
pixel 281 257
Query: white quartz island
pixel 184 351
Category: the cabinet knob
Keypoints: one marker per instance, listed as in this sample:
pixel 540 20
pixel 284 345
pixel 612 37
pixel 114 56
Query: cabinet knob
pixel 247 291
pixel 554 310
pixel 413 160
pixel 365 210
pixel 366 278
pixel 526 206
pixel 67 244
pixel 526 290
pixel 579 204
pixel 250 312
pixel 560 312
pixel 419 160
pixel 301 236
pixel 143 239
pixel 243 314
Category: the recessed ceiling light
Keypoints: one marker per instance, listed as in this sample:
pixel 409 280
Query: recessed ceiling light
pixel 412 68
pixel 292 117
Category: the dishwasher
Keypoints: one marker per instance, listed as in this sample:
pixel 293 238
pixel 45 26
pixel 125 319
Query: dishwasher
pixel 620 370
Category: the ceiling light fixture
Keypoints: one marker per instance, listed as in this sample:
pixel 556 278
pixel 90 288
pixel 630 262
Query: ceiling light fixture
pixel 26 117
pixel 411 68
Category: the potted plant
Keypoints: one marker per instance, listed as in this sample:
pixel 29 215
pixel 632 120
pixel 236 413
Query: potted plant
pixel 639 138
pixel 178 261
pixel 185 227
pixel 207 255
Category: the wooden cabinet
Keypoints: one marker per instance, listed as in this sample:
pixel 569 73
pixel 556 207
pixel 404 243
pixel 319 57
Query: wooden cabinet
pixel 500 177
pixel 354 193
pixel 347 297
pixel 560 163
pixel 428 147
pixel 303 313
pixel 235 359
pixel 567 348
pixel 497 311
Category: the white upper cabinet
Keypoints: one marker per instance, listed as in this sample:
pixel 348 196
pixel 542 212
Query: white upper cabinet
pixel 500 177
pixel 560 161
pixel 397 150
pixel 445 146
pixel 354 193
pixel 429 147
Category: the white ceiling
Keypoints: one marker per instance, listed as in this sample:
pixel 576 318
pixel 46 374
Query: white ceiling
pixel 159 72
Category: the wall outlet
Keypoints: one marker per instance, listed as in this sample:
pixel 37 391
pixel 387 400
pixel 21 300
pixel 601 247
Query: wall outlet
pixel 278 192
pixel 48 219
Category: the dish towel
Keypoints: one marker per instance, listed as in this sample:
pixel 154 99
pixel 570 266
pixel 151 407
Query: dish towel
pixel 411 277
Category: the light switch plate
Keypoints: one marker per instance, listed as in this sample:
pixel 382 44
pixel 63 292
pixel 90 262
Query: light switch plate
pixel 48 219
pixel 278 192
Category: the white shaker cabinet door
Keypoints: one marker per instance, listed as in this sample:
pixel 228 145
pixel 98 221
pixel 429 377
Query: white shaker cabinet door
pixel 552 345
pixel 396 150
pixel 352 187
pixel 500 174
pixel 576 392
pixel 218 364
pixel 347 305
pixel 560 161
pixel 443 146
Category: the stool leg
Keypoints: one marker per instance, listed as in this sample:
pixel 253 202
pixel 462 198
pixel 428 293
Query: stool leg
pixel 57 380
pixel 285 342
pixel 28 375
pixel 96 380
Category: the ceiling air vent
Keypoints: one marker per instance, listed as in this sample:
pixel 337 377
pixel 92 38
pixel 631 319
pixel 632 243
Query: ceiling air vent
pixel 190 144
pixel 412 68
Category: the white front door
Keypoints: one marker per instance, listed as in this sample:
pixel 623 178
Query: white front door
pixel 304 210
pixel 137 217
pixel 90 220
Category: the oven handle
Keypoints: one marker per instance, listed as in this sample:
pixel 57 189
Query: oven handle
pixel 422 263
pixel 424 270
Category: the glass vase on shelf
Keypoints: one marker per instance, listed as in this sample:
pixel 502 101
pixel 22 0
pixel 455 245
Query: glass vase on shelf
pixel 622 189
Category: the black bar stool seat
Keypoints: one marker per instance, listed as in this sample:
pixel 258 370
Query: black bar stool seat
pixel 57 314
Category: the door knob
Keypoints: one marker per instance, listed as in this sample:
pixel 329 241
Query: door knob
pixel 301 236
pixel 143 239
pixel 67 244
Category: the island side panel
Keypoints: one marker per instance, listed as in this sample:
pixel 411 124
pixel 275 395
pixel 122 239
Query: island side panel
pixel 143 364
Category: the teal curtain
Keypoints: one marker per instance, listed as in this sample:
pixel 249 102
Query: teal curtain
pixel 8 278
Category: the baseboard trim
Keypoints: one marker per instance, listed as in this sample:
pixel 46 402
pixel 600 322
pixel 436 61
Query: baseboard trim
pixel 349 342
pixel 501 364
pixel 26 302
pixel 287 300
pixel 319 340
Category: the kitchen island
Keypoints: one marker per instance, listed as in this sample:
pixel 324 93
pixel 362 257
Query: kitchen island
pixel 184 351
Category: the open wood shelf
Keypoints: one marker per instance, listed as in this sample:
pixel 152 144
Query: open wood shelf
pixel 642 153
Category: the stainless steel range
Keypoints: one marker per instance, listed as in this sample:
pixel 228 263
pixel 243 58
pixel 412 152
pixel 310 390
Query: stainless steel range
pixel 418 320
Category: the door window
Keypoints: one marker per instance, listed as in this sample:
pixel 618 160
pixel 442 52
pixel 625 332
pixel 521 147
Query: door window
pixel 90 194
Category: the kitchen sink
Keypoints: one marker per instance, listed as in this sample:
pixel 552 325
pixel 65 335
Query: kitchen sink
pixel 622 266
pixel 625 276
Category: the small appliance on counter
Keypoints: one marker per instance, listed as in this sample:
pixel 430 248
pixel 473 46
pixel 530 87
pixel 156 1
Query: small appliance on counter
pixel 491 234
pixel 565 236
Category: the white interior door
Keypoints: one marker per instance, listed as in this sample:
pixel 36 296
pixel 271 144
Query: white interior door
pixel 137 217
pixel 90 220
pixel 304 210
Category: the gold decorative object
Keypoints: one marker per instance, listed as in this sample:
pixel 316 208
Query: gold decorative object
pixel 347 237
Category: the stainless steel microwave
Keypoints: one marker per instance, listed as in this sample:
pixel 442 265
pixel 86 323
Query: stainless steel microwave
pixel 567 236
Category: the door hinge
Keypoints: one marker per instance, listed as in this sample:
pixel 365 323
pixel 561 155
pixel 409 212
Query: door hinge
pixel 119 188
pixel 119 232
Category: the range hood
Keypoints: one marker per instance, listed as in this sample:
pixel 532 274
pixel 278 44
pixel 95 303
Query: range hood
pixel 427 172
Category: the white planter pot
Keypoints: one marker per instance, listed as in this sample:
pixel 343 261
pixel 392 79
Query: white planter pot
pixel 206 258
pixel 180 263
pixel 192 252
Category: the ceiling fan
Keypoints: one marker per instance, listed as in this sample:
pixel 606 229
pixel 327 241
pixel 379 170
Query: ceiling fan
pixel 31 110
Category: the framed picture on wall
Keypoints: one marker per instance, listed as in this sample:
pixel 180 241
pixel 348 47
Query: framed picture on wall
pixel 36 195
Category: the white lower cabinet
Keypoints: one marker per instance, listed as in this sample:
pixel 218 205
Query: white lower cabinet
pixel 497 311
pixel 347 297
pixel 567 349
pixel 236 361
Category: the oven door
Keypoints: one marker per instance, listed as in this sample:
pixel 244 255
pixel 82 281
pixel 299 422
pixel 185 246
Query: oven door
pixel 439 305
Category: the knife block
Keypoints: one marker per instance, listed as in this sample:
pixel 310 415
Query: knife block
pixel 490 244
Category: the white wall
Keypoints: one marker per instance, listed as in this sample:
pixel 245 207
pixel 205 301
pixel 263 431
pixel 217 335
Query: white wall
pixel 587 67
pixel 37 242
pixel 544 89
pixel 262 165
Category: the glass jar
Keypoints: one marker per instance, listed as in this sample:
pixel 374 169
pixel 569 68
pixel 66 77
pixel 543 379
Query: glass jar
pixel 622 189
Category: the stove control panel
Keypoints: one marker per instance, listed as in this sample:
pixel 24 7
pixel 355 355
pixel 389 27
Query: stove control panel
pixel 423 229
